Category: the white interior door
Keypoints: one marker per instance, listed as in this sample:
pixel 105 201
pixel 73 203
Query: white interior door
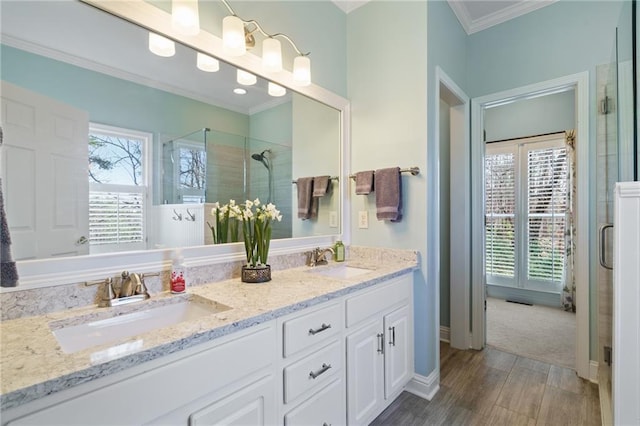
pixel 44 173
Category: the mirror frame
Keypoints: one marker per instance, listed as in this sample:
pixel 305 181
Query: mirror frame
pixel 68 270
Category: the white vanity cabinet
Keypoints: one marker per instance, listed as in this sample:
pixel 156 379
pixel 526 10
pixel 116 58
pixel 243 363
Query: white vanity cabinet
pixel 312 366
pixel 228 379
pixel 379 348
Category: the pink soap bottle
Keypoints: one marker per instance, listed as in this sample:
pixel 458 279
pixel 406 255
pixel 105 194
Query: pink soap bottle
pixel 178 274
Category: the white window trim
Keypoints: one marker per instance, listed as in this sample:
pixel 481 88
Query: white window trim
pixel 181 192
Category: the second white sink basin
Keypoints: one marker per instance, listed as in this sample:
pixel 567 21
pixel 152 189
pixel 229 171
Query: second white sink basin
pixel 93 332
pixel 340 271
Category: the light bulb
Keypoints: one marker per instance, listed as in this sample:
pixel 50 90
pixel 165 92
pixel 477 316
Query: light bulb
pixel 207 63
pixel 276 90
pixel 233 42
pixel 184 17
pixel 271 55
pixel 161 46
pixel 245 78
pixel 302 70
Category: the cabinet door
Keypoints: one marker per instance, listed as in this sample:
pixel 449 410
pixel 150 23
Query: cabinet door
pixel 399 350
pixel 365 365
pixel 253 405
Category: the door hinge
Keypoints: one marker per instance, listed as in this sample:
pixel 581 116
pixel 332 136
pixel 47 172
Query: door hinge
pixel 607 355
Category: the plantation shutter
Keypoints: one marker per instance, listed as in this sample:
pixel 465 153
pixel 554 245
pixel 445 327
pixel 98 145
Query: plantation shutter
pixel 546 209
pixel 116 217
pixel 500 215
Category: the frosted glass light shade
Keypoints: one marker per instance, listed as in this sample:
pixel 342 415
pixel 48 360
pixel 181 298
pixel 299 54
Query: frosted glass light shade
pixel 276 90
pixel 184 16
pixel 245 78
pixel 233 42
pixel 302 70
pixel 207 63
pixel 271 55
pixel 161 46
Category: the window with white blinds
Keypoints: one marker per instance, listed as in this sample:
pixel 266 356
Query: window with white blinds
pixel 118 185
pixel 500 206
pixel 525 213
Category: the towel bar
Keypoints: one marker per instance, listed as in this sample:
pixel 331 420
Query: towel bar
pixel 413 170
pixel 332 178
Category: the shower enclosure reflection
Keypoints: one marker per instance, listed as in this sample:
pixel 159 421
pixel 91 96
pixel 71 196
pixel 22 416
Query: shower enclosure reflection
pixel 208 166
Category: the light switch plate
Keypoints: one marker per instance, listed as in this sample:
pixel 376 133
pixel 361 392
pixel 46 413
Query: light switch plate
pixel 333 219
pixel 363 219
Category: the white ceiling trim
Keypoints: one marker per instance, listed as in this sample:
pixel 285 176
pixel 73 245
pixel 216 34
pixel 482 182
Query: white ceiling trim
pixel 471 25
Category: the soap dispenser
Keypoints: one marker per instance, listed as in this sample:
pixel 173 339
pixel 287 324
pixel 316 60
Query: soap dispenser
pixel 338 250
pixel 178 274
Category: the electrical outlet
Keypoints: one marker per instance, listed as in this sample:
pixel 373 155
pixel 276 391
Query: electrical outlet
pixel 333 219
pixel 363 219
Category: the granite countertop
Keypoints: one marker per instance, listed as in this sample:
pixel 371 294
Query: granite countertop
pixel 34 365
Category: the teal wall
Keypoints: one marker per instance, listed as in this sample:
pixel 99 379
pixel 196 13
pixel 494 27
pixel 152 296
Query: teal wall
pixel 564 38
pixel 386 76
pixel 114 101
pixel 447 49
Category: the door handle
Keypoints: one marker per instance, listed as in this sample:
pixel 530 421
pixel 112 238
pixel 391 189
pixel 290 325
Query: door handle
pixel 602 235
pixel 380 343
pixel 82 240
pixel 392 339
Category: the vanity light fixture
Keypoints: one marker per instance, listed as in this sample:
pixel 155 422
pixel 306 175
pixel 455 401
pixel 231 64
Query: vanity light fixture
pixel 237 36
pixel 185 18
pixel 239 91
pixel 276 90
pixel 207 63
pixel 161 46
pixel 246 78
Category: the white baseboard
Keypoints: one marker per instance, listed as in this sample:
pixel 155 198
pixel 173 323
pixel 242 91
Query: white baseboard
pixel 424 386
pixel 593 371
pixel 445 334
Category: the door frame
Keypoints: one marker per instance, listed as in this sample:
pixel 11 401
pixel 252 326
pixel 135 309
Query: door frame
pixel 580 83
pixel 460 236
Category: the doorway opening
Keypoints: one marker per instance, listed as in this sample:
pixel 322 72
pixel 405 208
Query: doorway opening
pixel 574 87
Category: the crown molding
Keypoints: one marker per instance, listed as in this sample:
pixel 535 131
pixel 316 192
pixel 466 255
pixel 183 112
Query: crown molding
pixel 475 25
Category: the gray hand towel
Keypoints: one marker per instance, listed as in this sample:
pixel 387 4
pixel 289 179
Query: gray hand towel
pixel 364 182
pixel 305 199
pixel 321 186
pixel 388 186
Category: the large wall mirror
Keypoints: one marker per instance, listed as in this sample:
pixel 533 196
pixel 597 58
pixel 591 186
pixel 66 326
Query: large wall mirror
pixel 109 148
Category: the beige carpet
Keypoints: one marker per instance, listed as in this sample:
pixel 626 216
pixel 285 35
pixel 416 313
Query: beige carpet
pixel 537 332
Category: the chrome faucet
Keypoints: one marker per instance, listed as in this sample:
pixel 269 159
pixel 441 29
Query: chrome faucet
pixel 317 256
pixel 131 289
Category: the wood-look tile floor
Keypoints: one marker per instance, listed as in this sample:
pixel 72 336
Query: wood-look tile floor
pixel 491 387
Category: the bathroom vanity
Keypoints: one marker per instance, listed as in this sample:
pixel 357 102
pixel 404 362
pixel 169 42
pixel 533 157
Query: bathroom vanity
pixel 325 345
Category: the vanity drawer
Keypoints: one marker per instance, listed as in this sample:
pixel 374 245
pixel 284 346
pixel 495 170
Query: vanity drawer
pixel 311 371
pixel 302 332
pixel 324 408
pixel 370 303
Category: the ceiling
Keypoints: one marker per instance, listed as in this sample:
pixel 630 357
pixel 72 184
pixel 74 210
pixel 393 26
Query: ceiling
pixel 474 15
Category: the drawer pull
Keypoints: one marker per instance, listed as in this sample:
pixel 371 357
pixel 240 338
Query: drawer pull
pixel 322 328
pixel 392 341
pixel 326 424
pixel 380 343
pixel 315 374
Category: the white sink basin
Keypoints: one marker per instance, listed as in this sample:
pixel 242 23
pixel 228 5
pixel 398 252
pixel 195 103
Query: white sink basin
pixel 85 332
pixel 341 271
